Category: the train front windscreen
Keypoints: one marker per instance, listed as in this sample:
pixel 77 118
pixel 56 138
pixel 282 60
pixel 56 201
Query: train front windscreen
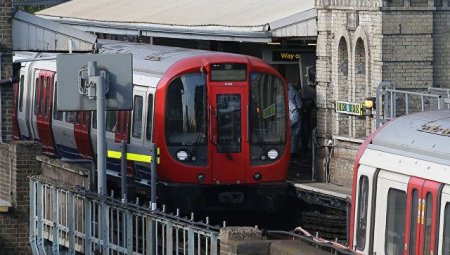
pixel 236 114
pixel 268 118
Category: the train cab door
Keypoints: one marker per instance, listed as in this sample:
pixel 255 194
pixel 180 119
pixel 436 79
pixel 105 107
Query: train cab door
pixel 82 126
pixel 228 135
pixel 421 216
pixel 43 110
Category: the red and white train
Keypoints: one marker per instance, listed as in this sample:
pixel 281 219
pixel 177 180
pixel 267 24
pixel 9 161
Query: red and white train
pixel 401 188
pixel 219 119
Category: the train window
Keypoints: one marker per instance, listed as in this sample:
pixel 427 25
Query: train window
pixel 363 199
pixel 42 85
pixel 70 117
pixel 47 96
pixel 137 116
pixel 446 240
pixel 85 118
pixel 57 115
pixel 229 123
pixel 186 110
pixel 428 222
pixel 36 97
pixel 78 118
pixel 94 119
pixel 21 86
pixel 395 222
pixel 111 120
pixel 413 222
pixel 267 109
pixel 119 123
pixel 148 132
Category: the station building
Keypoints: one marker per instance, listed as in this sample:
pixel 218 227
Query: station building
pixel 360 44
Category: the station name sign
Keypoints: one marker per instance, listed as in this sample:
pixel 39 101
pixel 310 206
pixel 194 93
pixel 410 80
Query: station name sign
pixel 350 108
pixel 286 55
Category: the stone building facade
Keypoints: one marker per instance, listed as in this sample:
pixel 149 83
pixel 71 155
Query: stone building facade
pixel 361 43
pixel 6 68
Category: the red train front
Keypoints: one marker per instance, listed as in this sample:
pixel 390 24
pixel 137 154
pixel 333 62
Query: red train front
pixel 219 119
pixel 221 124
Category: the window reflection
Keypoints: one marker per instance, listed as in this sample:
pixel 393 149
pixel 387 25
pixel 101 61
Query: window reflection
pixel 267 109
pixel 395 222
pixel 229 123
pixel 186 110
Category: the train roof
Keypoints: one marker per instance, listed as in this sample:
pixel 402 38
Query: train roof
pixel 426 134
pixel 149 58
pixel 156 59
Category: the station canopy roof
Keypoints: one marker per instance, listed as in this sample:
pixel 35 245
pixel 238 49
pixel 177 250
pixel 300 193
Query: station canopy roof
pixel 233 20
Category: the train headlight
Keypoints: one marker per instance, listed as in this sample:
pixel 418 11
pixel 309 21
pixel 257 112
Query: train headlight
pixel 201 177
pixel 272 154
pixel 182 155
pixel 257 176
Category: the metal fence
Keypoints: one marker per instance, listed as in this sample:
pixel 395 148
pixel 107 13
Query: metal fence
pixel 75 221
pixel 392 102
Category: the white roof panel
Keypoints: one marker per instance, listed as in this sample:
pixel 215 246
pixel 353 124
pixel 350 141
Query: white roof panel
pixel 200 15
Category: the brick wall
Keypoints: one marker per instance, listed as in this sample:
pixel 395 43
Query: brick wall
pixel 361 48
pixel 6 68
pixel 441 51
pixel 14 226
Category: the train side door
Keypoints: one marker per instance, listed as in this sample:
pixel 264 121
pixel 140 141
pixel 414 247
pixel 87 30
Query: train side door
pixel 137 134
pixel 82 127
pixel 228 137
pixel 390 212
pixel 137 119
pixel 422 215
pixel 43 110
pixel 362 234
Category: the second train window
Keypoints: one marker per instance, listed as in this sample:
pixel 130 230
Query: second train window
pixel 137 116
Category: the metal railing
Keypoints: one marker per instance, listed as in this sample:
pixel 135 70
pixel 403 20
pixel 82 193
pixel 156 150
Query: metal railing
pixel 78 221
pixel 392 102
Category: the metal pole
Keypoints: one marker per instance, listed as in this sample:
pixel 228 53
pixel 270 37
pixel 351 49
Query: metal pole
pixel 313 148
pixel 153 177
pixel 153 197
pixel 101 143
pixel 33 193
pixel 123 170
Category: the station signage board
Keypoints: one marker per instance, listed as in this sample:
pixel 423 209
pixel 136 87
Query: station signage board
pixel 286 55
pixel 355 109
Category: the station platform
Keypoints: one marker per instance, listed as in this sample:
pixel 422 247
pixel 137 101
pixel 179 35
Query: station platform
pixel 316 193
